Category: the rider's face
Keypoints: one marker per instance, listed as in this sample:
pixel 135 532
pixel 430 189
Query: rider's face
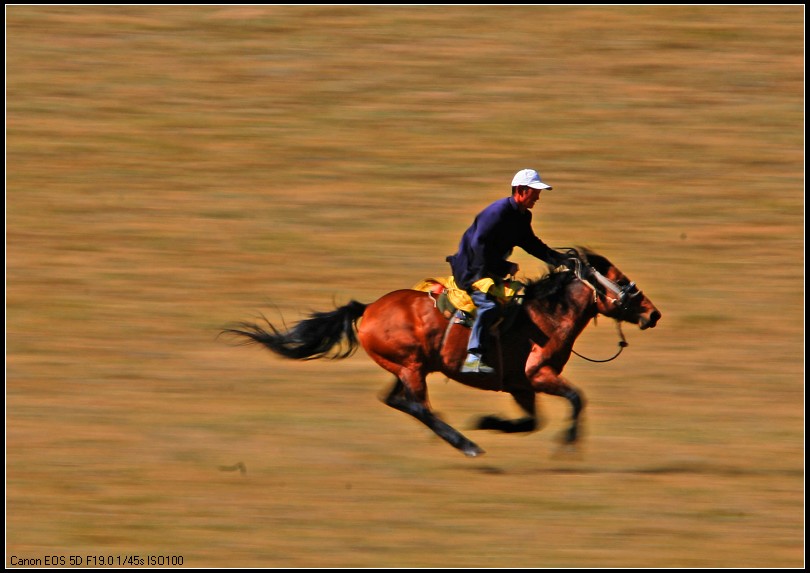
pixel 527 197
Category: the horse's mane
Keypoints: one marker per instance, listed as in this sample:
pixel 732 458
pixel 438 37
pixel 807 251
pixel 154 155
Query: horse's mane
pixel 552 286
pixel 591 257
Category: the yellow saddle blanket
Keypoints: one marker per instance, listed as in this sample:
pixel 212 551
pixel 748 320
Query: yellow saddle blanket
pixel 504 291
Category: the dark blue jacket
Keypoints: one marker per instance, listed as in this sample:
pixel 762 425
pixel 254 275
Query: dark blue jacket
pixel 490 239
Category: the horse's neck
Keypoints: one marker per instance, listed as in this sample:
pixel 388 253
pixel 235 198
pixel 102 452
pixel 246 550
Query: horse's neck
pixel 583 304
pixel 569 317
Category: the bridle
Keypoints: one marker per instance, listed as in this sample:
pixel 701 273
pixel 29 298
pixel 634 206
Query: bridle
pixel 622 296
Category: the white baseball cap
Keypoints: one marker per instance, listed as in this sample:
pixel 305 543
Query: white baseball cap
pixel 529 178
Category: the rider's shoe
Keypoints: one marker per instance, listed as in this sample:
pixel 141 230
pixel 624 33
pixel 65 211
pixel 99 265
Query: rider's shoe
pixel 474 365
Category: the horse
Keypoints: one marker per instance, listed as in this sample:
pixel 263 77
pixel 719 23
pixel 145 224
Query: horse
pixel 406 334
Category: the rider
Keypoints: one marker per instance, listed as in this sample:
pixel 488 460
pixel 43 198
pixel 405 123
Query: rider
pixel 481 262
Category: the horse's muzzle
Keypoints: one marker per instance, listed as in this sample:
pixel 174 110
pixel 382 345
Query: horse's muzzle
pixel 645 322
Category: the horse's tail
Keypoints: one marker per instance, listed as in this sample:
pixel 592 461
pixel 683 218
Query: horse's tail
pixel 314 337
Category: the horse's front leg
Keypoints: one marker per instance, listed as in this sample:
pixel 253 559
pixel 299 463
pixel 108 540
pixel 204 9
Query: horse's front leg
pixel 547 381
pixel 525 397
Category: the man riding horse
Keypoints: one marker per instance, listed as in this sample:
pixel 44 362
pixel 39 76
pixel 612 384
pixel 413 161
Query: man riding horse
pixel 481 261
pixel 406 333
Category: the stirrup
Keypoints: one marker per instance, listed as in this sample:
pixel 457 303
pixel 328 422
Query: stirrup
pixel 474 365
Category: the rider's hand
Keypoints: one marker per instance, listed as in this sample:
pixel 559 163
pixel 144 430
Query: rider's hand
pixel 559 259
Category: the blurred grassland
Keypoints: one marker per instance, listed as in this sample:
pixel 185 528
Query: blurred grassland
pixel 170 170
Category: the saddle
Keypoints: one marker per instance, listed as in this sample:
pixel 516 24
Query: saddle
pixel 456 303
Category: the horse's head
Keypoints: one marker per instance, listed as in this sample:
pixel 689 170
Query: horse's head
pixel 617 296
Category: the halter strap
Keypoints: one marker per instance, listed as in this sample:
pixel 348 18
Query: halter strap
pixel 621 294
pixel 606 282
pixel 582 267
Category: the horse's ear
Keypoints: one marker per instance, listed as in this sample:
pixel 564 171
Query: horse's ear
pixel 572 253
pixel 581 253
pixel 595 260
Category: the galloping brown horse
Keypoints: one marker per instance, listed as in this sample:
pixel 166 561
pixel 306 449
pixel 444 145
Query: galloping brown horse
pixel 407 335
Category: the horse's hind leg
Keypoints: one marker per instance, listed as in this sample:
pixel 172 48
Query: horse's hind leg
pixel 442 429
pixel 412 399
pixel 396 392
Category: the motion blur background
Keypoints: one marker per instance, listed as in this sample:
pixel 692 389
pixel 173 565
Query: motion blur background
pixel 171 170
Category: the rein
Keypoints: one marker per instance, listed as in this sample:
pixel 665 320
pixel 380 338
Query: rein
pixel 622 345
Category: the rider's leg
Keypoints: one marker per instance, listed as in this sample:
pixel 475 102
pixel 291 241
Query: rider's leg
pixel 487 313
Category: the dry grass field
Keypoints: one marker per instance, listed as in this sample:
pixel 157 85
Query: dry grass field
pixel 172 170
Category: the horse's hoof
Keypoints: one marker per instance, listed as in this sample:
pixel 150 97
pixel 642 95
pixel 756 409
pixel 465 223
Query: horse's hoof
pixel 489 423
pixel 522 425
pixel 472 451
pixel 567 452
pixel 570 436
